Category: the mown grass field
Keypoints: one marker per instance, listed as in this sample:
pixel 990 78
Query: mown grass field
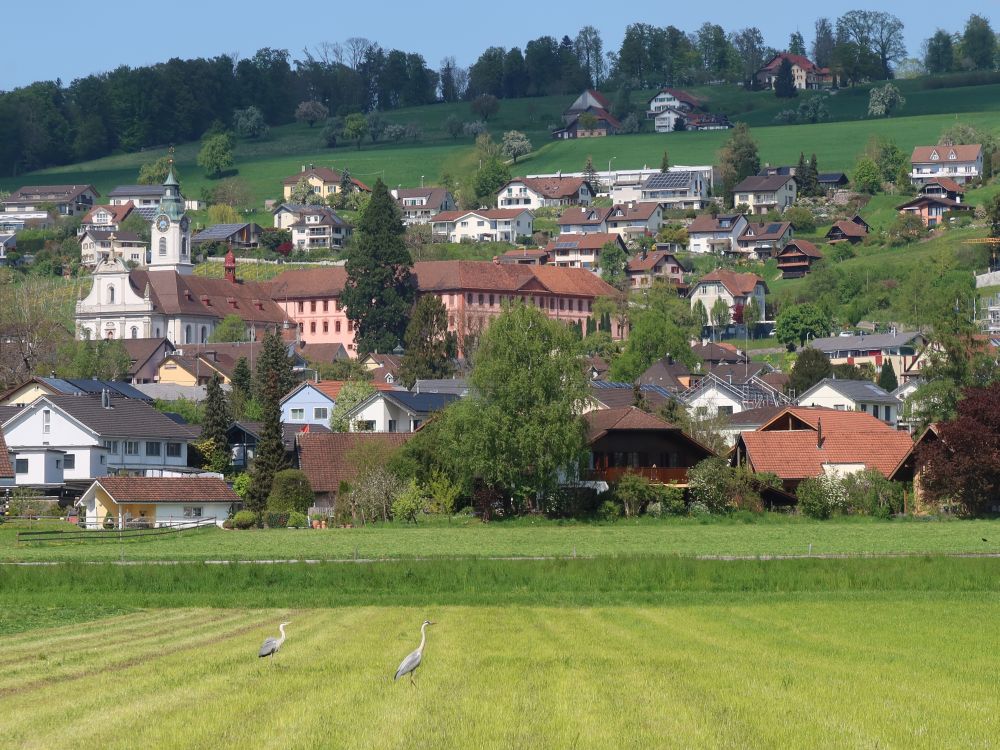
pixel 815 653
pixel 469 538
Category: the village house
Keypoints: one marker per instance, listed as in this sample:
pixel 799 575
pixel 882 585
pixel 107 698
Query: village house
pixel 763 195
pixel 106 218
pixel 853 395
pixel 526 256
pixel 696 121
pixel 383 368
pixel 627 440
pixel 668 106
pixel 943 187
pixel 6 467
pixel 421 205
pixel 35 388
pixel 33 202
pixel 484 225
pixel 901 350
pixel 634 220
pixel 678 190
pixel 805 73
pixel 715 234
pixel 396 411
pixel 736 289
pixel 848 230
pixel 312 227
pixel 802 442
pixel 60 438
pixel 322 181
pixel 718 393
pixel 796 258
pixel 143 197
pixel 540 192
pixel 647 267
pixel 243 236
pixel 588 117
pixel 195 364
pixel 151 502
pixel 580 250
pixel 327 459
pixel 100 246
pixel 311 402
pixel 624 185
pixel 931 209
pixel 243 436
pixel 831 181
pixel 763 241
pixel 962 164
pixel 473 293
pixel 584 219
pixel 145 356
pixel 8 244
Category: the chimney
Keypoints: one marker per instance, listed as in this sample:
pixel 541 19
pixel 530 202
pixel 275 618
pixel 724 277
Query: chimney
pixel 819 433
pixel 303 167
pixel 105 398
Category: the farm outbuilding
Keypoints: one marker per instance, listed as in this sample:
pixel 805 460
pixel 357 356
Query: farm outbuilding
pixel 156 501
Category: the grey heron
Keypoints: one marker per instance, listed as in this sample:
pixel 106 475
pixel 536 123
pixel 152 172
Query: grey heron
pixel 271 645
pixel 411 662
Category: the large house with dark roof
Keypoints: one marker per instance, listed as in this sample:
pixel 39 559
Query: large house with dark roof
pixel 761 241
pixel 245 235
pixel 32 201
pixel 73 437
pixel 796 258
pixel 539 192
pixel 667 106
pixel 588 117
pixel 848 230
pixel 396 411
pixel 328 458
pixel 676 189
pixel 421 205
pixel 140 196
pixel 763 194
pixel 106 218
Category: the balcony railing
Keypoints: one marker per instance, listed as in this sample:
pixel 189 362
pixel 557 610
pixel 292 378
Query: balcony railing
pixel 652 473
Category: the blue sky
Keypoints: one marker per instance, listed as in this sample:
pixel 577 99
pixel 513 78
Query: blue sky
pixel 74 40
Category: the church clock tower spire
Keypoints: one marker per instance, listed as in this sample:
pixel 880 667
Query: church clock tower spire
pixel 170 237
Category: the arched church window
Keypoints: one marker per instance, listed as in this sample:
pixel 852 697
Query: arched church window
pixel 204 334
pixel 111 295
pixel 184 246
pixel 187 335
pixel 135 332
pixel 163 246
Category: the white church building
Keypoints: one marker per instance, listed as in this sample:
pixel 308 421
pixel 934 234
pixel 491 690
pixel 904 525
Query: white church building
pixel 165 299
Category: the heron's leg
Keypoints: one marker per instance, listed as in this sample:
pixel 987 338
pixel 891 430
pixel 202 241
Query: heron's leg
pixel 412 681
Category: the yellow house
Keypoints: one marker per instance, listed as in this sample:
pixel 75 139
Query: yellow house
pixel 27 393
pixel 31 390
pixel 126 502
pixel 323 181
pixel 179 370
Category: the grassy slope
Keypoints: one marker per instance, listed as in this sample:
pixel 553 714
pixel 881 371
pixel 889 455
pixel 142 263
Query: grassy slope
pixel 681 537
pixel 825 671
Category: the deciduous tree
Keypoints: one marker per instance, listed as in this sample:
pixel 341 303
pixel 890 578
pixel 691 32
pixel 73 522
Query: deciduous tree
pixel 311 112
pixel 216 155
pixel 515 144
pixel 249 123
pixel 797 323
pixel 738 159
pixel 810 367
pixel 426 342
pixel 232 328
pixel 355 128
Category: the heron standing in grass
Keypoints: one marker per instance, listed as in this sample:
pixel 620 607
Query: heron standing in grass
pixel 411 662
pixel 271 645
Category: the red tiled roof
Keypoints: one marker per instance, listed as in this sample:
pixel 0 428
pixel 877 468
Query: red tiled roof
pixel 118 213
pixel 801 60
pixel 603 421
pixel 326 457
pixel 448 275
pixel 681 96
pixel 486 213
pixel 947 183
pixel 583 240
pixel 168 490
pixel 633 211
pixel 174 294
pixel 938 199
pixel 760 230
pixel 709 223
pixel 601 98
pixel 584 215
pixel 738 284
pixel 849 228
pixel 327 281
pixel 803 246
pixel 787 445
pixel 639 263
pixel 967 152
pixel 551 187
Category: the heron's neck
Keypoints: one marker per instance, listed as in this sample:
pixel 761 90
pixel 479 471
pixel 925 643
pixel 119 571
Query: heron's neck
pixel 423 636
pixel 282 629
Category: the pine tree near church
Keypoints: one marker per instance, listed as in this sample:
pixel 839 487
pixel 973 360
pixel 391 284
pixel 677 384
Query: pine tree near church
pixel 269 456
pixel 379 293
pixel 216 425
pixel 273 359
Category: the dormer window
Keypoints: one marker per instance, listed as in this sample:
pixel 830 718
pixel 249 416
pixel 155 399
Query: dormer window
pixel 934 156
pixel 952 156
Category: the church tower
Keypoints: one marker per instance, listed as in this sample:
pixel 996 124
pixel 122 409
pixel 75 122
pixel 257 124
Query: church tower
pixel 170 238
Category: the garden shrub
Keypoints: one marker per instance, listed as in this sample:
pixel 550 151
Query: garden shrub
pixel 672 501
pixel 654 509
pixel 290 491
pixel 443 493
pixel 698 508
pixel 276 520
pixel 409 503
pixel 572 502
pixel 245 519
pixel 609 511
pixel 241 485
pixel 298 520
pixel 869 493
pixel 633 492
pixel 821 497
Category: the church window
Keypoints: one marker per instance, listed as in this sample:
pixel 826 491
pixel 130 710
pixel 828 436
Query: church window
pixel 204 334
pixel 111 295
pixel 135 332
pixel 187 335
pixel 163 247
pixel 184 246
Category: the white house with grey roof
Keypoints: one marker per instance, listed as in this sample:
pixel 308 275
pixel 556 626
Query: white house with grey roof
pixel 854 395
pixel 675 190
pixel 62 438
pixel 141 196
pixel 900 349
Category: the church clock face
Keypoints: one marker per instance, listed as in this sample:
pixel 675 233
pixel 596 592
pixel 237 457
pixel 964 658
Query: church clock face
pixel 163 223
pixel 184 223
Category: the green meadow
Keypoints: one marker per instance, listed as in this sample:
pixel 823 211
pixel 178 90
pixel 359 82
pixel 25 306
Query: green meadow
pixel 463 537
pixel 632 653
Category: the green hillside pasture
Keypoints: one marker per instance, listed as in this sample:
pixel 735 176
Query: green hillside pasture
pixel 440 539
pixel 824 671
pixel 836 145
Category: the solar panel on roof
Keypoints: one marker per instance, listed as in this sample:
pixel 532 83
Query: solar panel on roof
pixel 567 245
pixel 772 228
